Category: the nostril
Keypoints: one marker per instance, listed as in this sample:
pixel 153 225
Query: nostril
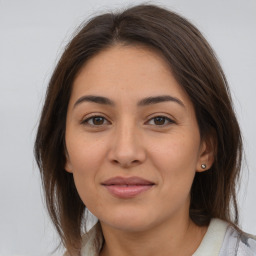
pixel 126 164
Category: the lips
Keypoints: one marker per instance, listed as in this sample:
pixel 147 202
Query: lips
pixel 123 187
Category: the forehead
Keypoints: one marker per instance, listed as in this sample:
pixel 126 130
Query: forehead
pixel 127 59
pixel 129 70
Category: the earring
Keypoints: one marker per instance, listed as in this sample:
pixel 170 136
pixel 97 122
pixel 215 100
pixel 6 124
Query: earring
pixel 203 166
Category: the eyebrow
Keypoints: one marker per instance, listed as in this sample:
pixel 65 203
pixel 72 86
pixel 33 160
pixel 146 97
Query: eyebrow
pixel 144 102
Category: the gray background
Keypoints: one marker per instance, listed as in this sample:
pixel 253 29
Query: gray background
pixel 32 37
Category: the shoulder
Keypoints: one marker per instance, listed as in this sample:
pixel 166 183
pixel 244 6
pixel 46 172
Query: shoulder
pixel 238 243
pixel 92 242
pixel 222 239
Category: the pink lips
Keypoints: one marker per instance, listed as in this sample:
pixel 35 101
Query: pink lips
pixel 127 187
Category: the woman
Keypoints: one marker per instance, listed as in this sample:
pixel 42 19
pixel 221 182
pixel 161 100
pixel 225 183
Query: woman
pixel 138 127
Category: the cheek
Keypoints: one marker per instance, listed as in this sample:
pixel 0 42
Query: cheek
pixel 176 152
pixel 85 154
pixel 176 160
pixel 85 159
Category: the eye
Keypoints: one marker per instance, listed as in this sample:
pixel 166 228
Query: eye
pixel 95 121
pixel 160 121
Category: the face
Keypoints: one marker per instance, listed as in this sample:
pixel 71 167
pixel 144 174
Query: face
pixel 133 142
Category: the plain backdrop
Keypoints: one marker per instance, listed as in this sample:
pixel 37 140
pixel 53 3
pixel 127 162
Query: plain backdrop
pixel 32 37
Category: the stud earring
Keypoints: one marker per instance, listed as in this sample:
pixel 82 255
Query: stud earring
pixel 203 166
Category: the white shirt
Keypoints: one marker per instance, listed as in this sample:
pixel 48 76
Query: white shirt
pixel 221 239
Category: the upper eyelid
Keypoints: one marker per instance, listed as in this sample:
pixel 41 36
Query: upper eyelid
pixel 170 120
pixel 90 117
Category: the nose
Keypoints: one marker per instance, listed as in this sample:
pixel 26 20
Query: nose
pixel 127 149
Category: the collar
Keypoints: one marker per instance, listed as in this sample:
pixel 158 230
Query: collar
pixel 92 241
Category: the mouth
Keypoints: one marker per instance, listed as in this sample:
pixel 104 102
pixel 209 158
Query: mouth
pixel 123 187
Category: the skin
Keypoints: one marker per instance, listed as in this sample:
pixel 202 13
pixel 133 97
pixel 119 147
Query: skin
pixel 127 140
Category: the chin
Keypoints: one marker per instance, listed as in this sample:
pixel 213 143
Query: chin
pixel 130 221
pixel 130 226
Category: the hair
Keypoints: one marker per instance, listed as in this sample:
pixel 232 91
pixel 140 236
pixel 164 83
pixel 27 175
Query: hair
pixel 197 70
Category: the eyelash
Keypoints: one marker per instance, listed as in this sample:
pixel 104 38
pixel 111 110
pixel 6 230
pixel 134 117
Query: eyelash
pixel 91 118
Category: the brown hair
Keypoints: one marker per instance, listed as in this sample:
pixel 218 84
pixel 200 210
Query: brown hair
pixel 195 67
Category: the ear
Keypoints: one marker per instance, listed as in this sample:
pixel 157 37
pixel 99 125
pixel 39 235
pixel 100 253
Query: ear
pixel 206 154
pixel 68 166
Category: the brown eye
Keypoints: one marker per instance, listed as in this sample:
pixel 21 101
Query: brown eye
pixel 98 120
pixel 160 121
pixel 95 121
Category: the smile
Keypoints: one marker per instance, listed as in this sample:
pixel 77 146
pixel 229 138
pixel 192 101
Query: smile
pixel 122 187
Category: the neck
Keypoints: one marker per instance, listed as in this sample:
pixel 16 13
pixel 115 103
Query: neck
pixel 177 237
